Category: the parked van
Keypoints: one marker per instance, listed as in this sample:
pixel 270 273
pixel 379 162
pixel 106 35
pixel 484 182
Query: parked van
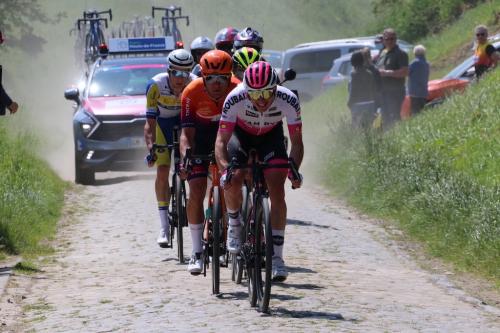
pixel 312 61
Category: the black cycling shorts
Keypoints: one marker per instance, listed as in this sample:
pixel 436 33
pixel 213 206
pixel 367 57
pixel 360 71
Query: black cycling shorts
pixel 205 143
pixel 268 146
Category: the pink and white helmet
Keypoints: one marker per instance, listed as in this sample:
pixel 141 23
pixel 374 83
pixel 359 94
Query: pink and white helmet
pixel 259 76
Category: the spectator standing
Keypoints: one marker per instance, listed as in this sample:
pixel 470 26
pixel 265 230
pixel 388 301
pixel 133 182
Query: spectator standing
pixel 392 64
pixel 362 92
pixel 418 79
pixel 5 100
pixel 368 63
pixel 485 55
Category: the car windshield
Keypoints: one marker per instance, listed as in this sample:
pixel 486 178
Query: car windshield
pixel 123 80
pixel 458 71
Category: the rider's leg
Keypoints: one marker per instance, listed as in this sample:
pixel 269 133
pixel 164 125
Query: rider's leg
pixel 195 215
pixel 233 200
pixel 236 149
pixel 162 186
pixel 162 189
pixel 276 185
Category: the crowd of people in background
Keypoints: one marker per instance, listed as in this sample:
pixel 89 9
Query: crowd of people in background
pixel 381 85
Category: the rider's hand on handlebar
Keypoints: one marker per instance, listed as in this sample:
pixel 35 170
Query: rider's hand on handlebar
pixel 183 172
pixel 225 183
pixel 296 182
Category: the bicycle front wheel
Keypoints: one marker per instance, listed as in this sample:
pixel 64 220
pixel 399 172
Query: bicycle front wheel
pixel 216 237
pixel 180 203
pixel 236 260
pixel 263 255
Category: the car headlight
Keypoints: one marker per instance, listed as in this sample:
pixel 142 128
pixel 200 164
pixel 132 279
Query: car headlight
pixel 87 122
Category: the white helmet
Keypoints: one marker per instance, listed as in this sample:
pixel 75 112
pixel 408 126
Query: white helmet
pixel 180 59
pixel 203 43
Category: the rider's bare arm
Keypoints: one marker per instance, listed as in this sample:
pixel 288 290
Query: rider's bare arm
pixel 221 149
pixel 297 149
pixel 150 132
pixel 187 139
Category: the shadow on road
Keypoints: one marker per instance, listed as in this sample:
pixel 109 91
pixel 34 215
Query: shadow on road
pixel 305 286
pixel 5 270
pixel 237 295
pixel 282 312
pixel 285 297
pixel 300 270
pixel 122 179
pixel 308 224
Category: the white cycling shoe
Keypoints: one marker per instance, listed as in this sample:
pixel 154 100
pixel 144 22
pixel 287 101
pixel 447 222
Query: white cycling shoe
pixel 195 265
pixel 162 239
pixel 279 271
pixel 233 243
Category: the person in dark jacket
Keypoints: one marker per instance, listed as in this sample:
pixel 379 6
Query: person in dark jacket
pixel 392 63
pixel 362 92
pixel 5 100
pixel 418 79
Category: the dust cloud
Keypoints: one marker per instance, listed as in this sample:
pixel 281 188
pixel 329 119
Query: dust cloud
pixel 37 80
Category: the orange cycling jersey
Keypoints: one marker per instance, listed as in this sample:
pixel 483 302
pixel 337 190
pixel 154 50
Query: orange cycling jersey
pixel 198 109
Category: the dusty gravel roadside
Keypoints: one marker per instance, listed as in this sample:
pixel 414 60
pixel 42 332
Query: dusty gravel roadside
pixel 347 275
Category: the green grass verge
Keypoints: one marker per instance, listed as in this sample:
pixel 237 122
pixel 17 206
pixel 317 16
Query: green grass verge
pixel 452 45
pixel 437 175
pixel 31 196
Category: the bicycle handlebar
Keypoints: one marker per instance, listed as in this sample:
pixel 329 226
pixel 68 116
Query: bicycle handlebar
pixel 151 157
pixel 175 18
pixel 234 165
pixel 92 20
pixel 95 14
pixel 167 10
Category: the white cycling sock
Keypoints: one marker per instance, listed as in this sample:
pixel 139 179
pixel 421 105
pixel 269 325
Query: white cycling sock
pixel 234 217
pixel 278 242
pixel 196 231
pixel 164 219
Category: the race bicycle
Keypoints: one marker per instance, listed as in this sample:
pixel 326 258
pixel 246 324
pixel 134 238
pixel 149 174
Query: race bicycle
pixel 177 213
pixel 257 241
pixel 95 35
pixel 215 223
pixel 170 16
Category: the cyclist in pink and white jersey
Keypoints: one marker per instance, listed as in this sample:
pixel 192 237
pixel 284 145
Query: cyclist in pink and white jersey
pixel 252 119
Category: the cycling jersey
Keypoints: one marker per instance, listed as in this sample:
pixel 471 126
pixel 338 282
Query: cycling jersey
pixel 201 112
pixel 161 100
pixel 239 110
pixel 165 107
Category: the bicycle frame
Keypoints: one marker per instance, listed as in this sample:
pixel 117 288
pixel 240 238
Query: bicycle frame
pixel 215 225
pixel 170 15
pixel 257 250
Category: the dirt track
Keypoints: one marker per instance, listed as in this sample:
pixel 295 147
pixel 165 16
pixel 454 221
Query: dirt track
pixel 347 275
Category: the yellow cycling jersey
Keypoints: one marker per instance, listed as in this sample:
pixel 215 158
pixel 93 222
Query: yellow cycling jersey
pixel 160 99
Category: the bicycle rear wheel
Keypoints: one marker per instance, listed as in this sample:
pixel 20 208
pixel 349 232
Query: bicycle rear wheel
pixel 263 254
pixel 216 237
pixel 180 203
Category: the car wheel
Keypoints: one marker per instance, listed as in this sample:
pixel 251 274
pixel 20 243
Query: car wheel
pixel 83 176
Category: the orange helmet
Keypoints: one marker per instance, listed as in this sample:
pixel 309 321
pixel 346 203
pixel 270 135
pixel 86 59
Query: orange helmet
pixel 216 62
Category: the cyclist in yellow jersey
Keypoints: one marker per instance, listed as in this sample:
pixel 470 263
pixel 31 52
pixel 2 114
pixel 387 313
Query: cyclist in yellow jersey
pixel 163 114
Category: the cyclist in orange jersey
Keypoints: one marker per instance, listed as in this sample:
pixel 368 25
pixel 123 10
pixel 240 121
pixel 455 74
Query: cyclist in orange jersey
pixel 201 107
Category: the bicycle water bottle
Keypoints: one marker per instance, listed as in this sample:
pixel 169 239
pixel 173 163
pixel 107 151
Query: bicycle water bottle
pixel 208 213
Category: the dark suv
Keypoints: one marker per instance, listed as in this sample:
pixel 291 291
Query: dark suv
pixel 108 124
